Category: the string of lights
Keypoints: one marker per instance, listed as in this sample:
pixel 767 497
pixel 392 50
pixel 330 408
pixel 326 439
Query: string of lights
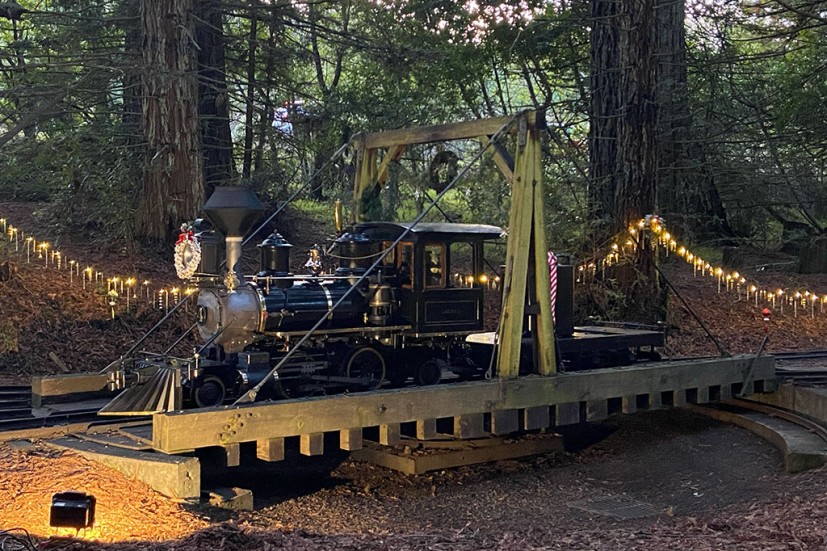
pixel 121 293
pixel 652 230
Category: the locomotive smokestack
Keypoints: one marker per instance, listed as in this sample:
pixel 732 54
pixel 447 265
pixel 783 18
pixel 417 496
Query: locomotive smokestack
pixel 233 211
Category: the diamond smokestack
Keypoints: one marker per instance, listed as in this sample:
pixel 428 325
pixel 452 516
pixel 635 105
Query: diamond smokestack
pixel 234 211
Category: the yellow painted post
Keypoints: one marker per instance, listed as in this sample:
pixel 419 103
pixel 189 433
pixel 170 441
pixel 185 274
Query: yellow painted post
pixel 516 268
pixel 544 322
pixel 526 239
pixel 365 177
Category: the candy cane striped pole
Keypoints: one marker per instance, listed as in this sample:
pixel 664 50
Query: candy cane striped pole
pixel 552 283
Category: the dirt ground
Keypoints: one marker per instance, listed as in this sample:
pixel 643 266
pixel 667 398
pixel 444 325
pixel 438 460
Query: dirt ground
pixel 708 485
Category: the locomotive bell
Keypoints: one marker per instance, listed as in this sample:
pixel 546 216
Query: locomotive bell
pixel 233 210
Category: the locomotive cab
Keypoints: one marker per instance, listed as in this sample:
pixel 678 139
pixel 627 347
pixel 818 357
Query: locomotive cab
pixel 439 273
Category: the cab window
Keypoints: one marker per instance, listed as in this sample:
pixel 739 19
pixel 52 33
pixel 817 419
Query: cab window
pixel 434 265
pixel 404 263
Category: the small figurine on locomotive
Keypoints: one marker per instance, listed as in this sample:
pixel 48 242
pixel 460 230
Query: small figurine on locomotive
pixel 407 317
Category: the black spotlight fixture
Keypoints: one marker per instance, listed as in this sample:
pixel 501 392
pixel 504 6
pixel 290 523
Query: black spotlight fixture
pixel 72 510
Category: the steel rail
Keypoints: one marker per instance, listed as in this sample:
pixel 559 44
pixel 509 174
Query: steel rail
pixel 773 411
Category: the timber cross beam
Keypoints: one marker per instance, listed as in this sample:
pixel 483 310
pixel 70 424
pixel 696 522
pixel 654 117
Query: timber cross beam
pixel 526 277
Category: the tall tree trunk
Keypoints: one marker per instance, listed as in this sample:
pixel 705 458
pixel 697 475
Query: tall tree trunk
pixel 213 107
pixel 173 190
pixel 604 116
pixel 635 195
pixel 249 109
pixel 131 116
pixel 685 181
pixel 673 104
pixel 637 159
pixel 267 115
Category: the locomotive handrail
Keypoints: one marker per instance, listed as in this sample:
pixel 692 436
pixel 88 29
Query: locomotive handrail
pixel 251 394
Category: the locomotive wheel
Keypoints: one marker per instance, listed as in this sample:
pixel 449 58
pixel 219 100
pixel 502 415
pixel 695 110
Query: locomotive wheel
pixel 209 392
pixel 282 388
pixel 429 373
pixel 368 364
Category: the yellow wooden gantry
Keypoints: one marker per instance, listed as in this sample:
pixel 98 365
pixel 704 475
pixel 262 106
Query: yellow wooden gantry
pixel 526 281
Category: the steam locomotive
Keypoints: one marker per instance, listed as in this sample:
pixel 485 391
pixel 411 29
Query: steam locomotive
pixel 404 302
pixel 405 298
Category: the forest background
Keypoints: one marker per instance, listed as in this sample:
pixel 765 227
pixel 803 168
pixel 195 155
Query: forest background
pixel 124 114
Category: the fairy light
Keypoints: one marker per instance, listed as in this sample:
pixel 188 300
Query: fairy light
pixel 61 261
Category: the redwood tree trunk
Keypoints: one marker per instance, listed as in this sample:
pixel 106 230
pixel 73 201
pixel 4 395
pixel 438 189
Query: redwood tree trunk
pixel 173 190
pixel 637 149
pixel 213 107
pixel 605 110
pixel 623 148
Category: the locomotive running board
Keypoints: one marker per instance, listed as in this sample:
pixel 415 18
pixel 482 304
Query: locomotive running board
pixel 162 392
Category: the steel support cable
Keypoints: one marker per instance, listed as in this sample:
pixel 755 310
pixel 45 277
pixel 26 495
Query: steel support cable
pixel 251 394
pixel 139 342
pixel 295 194
pixel 640 244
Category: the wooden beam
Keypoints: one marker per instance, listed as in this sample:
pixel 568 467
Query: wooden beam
pixel 392 155
pixel 567 414
pixel 446 132
pixel 469 425
pixel 597 410
pixel 311 444
pixel 516 267
pixel 526 251
pixel 173 431
pixel 177 477
pixel 505 422
pixel 270 449
pixel 64 385
pixel 444 459
pixel 365 179
pixel 543 321
pixel 501 158
pixel 350 439
pixel 535 418
pixel 232 454
pixel 389 435
pixel 629 404
pixel 425 429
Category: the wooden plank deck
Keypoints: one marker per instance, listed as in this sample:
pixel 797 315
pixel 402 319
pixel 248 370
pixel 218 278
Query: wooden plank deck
pixel 177 432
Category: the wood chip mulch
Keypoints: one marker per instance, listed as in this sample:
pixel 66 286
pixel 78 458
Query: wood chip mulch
pixel 126 509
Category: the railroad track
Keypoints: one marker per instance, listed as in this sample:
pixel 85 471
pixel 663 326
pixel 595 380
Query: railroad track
pixel 18 420
pixel 780 413
pixel 15 396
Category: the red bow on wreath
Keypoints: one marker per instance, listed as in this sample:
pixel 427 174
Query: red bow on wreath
pixel 185 235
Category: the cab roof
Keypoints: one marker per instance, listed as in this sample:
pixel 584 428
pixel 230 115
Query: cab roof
pixel 443 231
